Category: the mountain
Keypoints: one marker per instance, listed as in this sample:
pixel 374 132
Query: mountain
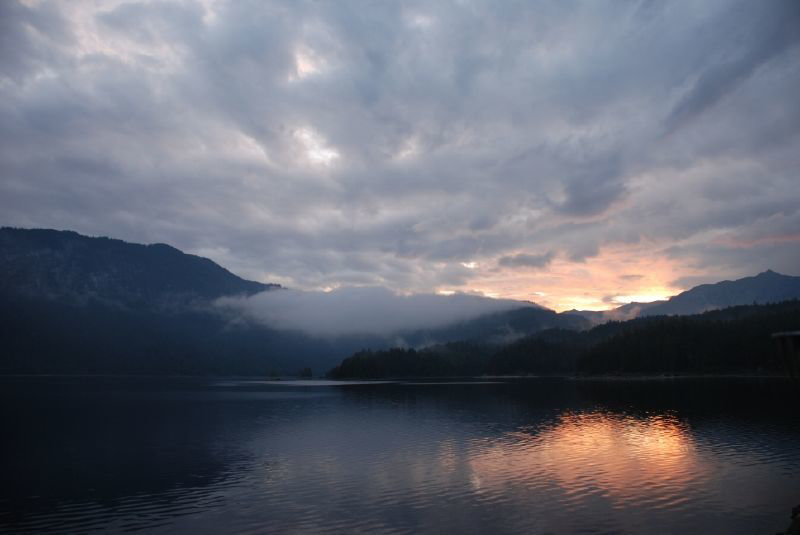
pixel 766 287
pixel 75 304
pixel 734 340
pixel 500 327
pixel 69 267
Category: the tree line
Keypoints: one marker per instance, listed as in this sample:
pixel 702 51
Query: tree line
pixel 732 340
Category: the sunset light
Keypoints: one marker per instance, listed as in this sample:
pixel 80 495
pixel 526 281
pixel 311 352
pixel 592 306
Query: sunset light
pixel 380 267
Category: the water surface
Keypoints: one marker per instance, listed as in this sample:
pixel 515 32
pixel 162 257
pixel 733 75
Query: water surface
pixel 500 456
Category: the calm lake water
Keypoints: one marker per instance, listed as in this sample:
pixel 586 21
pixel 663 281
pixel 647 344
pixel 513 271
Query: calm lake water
pixel 512 456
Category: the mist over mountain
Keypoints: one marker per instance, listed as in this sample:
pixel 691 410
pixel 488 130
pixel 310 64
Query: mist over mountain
pixel 365 310
pixel 75 304
pixel 735 340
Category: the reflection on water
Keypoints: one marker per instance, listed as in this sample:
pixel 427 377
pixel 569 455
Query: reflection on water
pixel 597 459
pixel 518 457
pixel 629 459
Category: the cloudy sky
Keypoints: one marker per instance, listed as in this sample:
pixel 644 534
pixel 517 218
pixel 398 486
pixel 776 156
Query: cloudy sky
pixel 577 154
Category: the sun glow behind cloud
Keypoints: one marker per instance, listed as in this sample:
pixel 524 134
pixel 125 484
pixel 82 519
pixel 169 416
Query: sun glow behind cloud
pixel 316 150
pixel 576 155
pixel 640 298
pixel 307 63
pixel 614 276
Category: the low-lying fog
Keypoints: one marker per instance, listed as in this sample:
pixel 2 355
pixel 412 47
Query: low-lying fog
pixel 372 310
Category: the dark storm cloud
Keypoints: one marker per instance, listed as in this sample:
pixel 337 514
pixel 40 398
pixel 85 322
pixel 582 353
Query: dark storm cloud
pixel 30 40
pixel 768 33
pixel 410 145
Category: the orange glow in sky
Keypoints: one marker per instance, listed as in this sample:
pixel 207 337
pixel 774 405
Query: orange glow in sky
pixel 616 276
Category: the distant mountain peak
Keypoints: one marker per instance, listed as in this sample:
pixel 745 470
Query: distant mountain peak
pixel 766 287
pixel 165 247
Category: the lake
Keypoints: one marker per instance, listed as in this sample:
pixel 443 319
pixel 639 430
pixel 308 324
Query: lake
pixel 484 456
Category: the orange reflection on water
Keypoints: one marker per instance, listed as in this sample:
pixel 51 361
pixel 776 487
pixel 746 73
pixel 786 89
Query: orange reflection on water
pixel 624 458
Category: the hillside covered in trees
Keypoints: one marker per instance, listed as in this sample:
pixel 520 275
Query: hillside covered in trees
pixel 73 304
pixel 732 340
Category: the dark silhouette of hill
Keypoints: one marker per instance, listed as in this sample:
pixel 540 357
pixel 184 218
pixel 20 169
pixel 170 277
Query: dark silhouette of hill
pixel 499 327
pixel 731 340
pixel 766 287
pixel 67 266
pixel 75 304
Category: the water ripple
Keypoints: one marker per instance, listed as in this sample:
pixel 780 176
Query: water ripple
pixel 403 459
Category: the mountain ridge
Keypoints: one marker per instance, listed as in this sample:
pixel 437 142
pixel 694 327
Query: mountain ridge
pixel 76 304
pixel 62 264
pixel 763 288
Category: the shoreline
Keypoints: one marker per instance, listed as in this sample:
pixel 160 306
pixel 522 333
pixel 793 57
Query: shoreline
pixel 286 378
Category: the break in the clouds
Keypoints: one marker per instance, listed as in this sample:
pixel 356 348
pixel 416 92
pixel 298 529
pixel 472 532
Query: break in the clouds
pixel 360 311
pixel 534 150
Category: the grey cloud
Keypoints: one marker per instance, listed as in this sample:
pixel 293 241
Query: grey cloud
pixel 582 250
pixel 595 187
pixel 770 32
pixel 461 134
pixel 30 40
pixel 690 281
pixel 526 260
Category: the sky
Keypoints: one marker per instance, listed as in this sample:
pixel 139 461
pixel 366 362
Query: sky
pixel 574 154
